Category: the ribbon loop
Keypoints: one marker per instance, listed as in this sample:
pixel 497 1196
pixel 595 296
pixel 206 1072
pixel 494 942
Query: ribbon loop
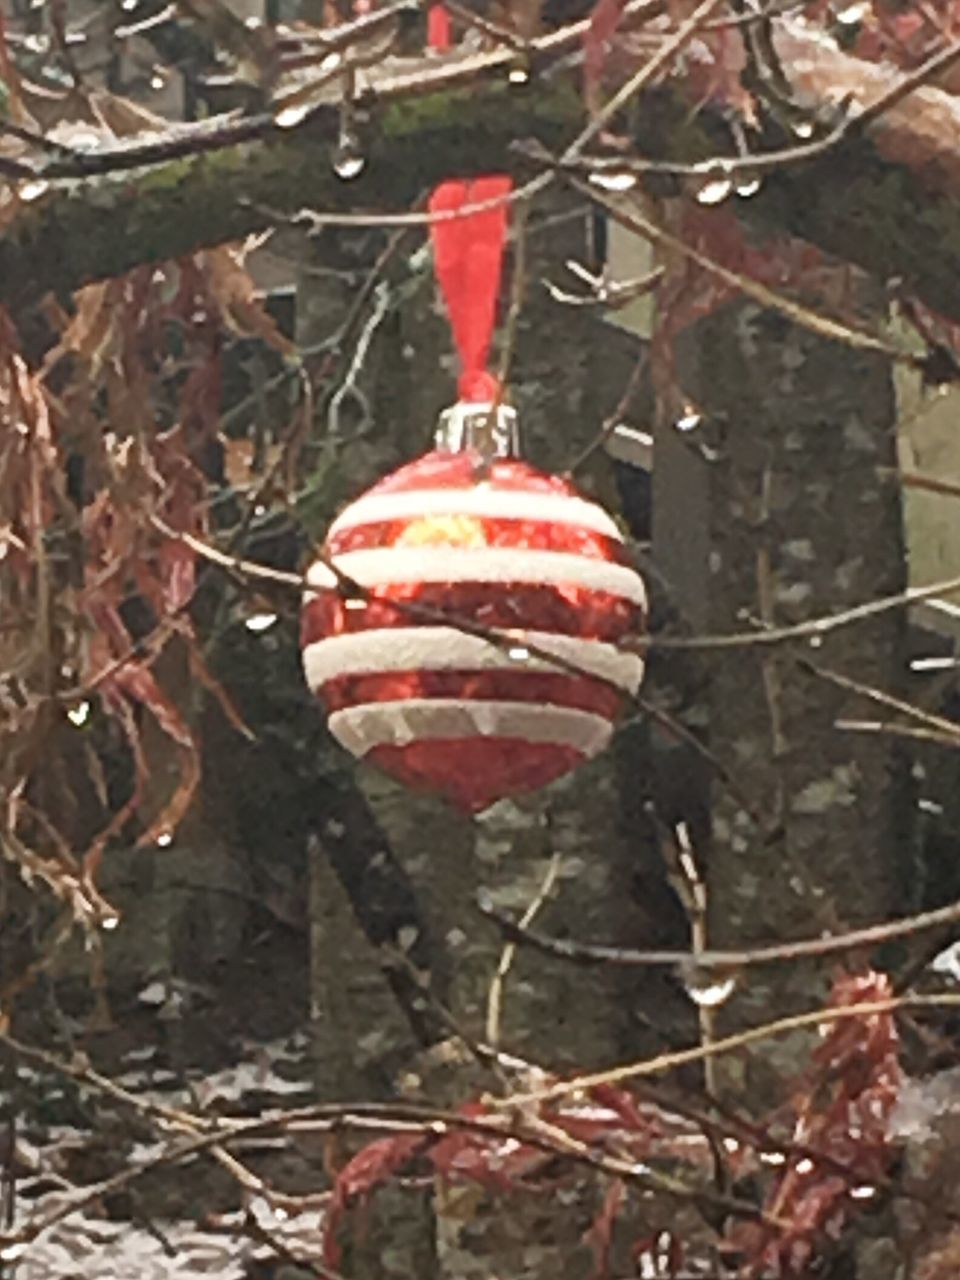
pixel 468 256
pixel 439 35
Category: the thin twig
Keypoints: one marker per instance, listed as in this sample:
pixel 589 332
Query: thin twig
pixel 614 419
pixel 518 291
pixel 730 1044
pixel 889 728
pixel 485 1054
pixel 497 31
pixel 919 480
pixel 813 628
pixel 495 994
pixel 664 55
pixel 316 222
pixel 172 1117
pixel 433 1122
pixel 629 215
pixel 721 961
pixel 772 161
pixel 948 728
pixel 691 889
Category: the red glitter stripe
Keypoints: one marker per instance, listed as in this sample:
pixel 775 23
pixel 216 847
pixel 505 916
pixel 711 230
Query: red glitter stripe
pixel 499 531
pixel 557 689
pixel 473 772
pixel 562 611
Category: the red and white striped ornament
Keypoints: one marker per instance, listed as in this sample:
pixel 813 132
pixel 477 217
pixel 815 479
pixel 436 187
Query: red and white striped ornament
pixel 498 546
pixel 483 655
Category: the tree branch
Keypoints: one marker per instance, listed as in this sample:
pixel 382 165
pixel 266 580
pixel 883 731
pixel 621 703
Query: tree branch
pixel 884 198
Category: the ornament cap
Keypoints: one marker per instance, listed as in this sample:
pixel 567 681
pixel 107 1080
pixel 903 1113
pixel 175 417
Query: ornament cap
pixel 491 430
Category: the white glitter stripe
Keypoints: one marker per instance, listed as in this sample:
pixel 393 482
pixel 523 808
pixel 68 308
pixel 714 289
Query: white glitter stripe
pixel 384 566
pixel 446 649
pixel 377 724
pixel 482 501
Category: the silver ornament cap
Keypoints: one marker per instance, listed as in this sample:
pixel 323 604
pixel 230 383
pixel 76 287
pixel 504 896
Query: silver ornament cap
pixel 491 430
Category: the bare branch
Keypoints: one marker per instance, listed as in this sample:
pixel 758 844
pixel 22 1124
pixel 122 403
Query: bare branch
pixel 720 961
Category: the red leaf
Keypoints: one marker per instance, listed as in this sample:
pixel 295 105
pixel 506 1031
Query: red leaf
pixel 496 1163
pixel 605 17
pixel 600 1232
pixel 841 1107
pixel 360 1177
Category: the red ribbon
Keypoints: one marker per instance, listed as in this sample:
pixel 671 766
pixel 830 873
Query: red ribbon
pixel 438 28
pixel 468 254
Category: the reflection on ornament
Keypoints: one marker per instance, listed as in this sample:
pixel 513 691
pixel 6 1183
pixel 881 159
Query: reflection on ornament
pixel 450 531
pixel 413 683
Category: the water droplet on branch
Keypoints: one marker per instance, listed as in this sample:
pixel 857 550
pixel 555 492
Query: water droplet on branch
pixel 260 621
pixel 709 990
pixel 748 184
pixel 615 181
pixel 33 190
pixel 79 714
pixel 708 986
pixel 348 160
pixel 715 183
pixel 290 117
pixel 689 421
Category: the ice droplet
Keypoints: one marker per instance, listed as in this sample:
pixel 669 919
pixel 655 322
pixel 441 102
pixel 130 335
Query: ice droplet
pixel 260 621
pixel 948 962
pixel 747 185
pixel 853 14
pixel 348 161
pixel 164 839
pixel 689 421
pixel 618 181
pixel 290 117
pixel 110 922
pixel 80 714
pixel 33 190
pixel 153 994
pixel 716 183
pixel 518 653
pixel 803 129
pixel 709 990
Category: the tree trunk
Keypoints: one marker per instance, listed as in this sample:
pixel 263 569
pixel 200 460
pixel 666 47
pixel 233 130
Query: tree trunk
pixel 786 473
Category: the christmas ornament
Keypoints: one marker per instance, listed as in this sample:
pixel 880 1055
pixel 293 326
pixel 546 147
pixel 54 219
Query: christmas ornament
pixel 516 553
pixel 466 621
